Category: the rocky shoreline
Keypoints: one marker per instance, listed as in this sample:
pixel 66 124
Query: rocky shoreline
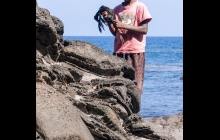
pixel 80 96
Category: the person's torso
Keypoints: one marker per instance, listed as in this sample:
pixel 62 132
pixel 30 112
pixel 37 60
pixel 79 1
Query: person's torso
pixel 133 42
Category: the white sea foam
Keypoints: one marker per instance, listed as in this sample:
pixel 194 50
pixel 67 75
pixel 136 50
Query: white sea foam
pixel 163 68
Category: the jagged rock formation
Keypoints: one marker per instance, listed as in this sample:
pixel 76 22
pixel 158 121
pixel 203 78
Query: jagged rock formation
pixel 82 92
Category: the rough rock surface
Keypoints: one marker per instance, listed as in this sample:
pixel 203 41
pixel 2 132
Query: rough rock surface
pixel 167 126
pixel 84 55
pixel 59 27
pixel 80 96
pixel 52 109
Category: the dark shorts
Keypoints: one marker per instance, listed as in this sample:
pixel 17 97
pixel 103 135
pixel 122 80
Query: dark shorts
pixel 138 62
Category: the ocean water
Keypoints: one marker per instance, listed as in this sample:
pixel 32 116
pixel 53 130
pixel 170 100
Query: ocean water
pixel 162 89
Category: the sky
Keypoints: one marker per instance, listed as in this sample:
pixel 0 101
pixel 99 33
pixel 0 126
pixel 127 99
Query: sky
pixel 78 16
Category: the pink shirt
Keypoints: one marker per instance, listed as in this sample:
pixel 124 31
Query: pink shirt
pixel 132 15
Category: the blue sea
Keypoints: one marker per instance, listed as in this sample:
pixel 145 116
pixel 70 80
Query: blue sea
pixel 162 89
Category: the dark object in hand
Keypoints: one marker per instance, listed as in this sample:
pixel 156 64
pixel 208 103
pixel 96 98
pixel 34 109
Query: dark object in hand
pixel 98 17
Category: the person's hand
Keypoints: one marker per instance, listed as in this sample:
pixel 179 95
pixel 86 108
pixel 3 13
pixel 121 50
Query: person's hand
pixel 119 24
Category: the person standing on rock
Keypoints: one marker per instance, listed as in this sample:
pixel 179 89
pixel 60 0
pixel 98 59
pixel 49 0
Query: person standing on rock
pixel 130 27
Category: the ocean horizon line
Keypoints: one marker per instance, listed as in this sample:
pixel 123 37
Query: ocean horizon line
pixel 112 36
